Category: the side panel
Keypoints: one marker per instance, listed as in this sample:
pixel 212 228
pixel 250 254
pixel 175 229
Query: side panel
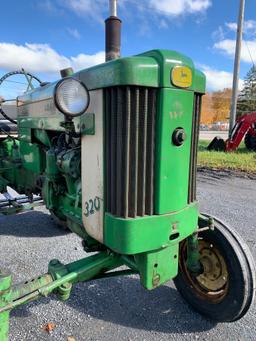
pixel 32 158
pixel 92 171
pixel 172 164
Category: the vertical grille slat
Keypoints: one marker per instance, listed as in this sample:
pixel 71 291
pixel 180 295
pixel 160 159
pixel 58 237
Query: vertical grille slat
pixel 113 149
pixel 127 163
pixel 142 152
pixel 108 150
pixel 129 150
pixel 149 208
pixel 194 146
pixel 119 152
pixel 133 188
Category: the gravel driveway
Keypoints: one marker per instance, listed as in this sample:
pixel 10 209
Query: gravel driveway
pixel 120 309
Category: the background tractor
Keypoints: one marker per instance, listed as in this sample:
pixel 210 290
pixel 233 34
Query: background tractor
pixel 112 152
pixel 245 128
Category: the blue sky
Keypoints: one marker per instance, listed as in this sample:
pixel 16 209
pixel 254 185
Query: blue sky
pixel 45 36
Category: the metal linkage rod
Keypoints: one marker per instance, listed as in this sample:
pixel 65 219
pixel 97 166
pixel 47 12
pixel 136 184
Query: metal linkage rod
pixel 18 208
pixel 59 279
pixel 193 262
pixel 22 199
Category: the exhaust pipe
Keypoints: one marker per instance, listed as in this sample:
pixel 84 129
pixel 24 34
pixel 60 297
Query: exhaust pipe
pixel 113 8
pixel 113 32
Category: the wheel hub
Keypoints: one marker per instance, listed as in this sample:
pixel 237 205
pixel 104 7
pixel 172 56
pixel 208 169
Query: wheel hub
pixel 212 284
pixel 215 274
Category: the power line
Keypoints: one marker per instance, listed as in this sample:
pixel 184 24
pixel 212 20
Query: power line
pixel 7 80
pixel 249 53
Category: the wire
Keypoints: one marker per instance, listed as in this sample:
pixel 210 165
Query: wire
pixel 6 133
pixel 7 117
pixel 249 53
pixel 7 80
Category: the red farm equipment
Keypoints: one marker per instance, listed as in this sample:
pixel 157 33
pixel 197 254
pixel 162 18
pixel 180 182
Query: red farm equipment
pixel 245 127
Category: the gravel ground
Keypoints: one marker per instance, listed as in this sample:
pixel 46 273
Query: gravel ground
pixel 120 309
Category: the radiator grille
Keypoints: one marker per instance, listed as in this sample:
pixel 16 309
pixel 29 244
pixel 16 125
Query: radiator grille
pixel 194 146
pixel 129 150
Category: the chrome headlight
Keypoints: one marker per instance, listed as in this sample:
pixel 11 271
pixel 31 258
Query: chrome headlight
pixel 71 97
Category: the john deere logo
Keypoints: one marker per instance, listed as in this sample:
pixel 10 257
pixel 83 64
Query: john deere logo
pixel 181 76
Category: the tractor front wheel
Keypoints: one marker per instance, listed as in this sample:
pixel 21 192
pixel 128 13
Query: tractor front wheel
pixel 250 141
pixel 225 289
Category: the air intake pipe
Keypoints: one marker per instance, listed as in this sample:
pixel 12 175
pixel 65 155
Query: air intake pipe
pixel 113 32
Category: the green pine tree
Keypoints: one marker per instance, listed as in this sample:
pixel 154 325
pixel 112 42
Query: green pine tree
pixel 247 97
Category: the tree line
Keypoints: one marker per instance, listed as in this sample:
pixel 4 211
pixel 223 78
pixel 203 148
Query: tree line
pixel 216 105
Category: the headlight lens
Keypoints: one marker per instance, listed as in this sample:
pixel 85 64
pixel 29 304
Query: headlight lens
pixel 71 97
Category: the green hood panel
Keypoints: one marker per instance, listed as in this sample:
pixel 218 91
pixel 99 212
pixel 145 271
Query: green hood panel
pixel 151 69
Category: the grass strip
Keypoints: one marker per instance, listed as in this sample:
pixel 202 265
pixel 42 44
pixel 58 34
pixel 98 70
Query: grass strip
pixel 241 160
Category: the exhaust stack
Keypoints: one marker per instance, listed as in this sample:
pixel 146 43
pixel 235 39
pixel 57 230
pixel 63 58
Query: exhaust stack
pixel 113 32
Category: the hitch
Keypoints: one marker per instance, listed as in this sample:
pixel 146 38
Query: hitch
pixel 58 280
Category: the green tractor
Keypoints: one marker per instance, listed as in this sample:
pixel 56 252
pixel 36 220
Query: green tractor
pixel 112 153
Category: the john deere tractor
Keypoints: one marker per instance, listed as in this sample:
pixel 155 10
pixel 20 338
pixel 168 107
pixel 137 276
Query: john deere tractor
pixel 112 151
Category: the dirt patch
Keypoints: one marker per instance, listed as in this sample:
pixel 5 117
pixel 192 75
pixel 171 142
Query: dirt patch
pixel 226 173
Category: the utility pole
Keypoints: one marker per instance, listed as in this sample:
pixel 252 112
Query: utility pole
pixel 240 22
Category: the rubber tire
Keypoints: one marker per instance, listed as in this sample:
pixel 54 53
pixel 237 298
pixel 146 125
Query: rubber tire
pixel 61 223
pixel 250 142
pixel 242 278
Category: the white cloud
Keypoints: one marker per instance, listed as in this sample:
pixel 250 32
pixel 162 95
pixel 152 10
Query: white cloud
pixel 91 8
pixel 74 33
pixel 32 57
pixel 219 34
pixel 83 61
pixel 170 8
pixel 250 25
pixel 228 47
pixel 218 79
pixel 179 7
pixel 248 28
pixel 232 26
pixel 41 58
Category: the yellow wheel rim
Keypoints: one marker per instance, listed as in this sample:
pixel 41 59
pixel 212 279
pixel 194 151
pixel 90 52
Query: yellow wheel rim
pixel 212 284
pixel 215 274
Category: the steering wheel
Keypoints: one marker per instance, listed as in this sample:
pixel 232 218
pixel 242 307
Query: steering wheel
pixel 15 83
